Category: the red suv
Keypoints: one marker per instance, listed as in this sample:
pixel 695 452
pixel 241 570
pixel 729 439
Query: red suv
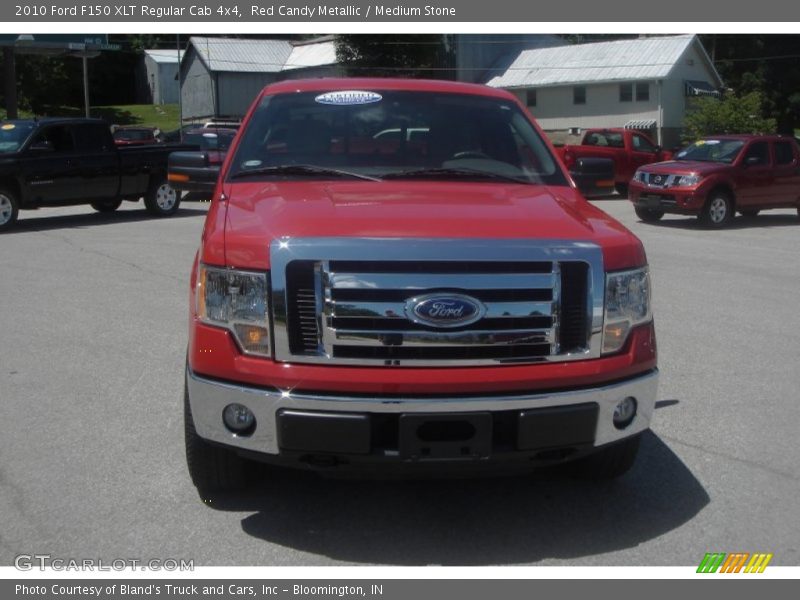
pixel 717 176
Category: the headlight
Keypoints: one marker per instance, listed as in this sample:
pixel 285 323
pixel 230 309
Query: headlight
pixel 237 301
pixel 627 305
pixel 638 176
pixel 687 180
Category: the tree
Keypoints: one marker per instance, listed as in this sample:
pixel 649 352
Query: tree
pixel 764 63
pixel 395 55
pixel 732 114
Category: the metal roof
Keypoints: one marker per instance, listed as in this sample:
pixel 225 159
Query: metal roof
pixel 621 60
pixel 311 55
pixel 161 55
pixel 241 55
pixel 261 56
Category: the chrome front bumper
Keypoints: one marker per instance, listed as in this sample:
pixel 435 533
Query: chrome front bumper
pixel 208 399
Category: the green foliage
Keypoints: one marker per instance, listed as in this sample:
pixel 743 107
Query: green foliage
pixel 733 114
pixel 416 55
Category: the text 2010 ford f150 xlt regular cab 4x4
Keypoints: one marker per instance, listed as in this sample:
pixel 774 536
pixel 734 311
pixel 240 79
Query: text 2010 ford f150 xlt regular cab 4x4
pixel 442 299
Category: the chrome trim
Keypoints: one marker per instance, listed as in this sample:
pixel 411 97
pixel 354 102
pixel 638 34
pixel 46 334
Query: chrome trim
pixel 472 337
pixel 208 398
pixel 394 310
pixel 428 281
pixel 324 251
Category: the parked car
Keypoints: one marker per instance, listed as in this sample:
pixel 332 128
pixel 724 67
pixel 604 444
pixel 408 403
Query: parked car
pixel 197 171
pixel 137 136
pixel 451 305
pixel 626 148
pixel 59 162
pixel 717 176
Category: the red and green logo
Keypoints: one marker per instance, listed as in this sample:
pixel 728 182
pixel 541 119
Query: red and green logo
pixel 738 562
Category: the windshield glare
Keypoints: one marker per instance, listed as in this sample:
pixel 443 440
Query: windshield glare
pixel 393 132
pixel 13 135
pixel 722 151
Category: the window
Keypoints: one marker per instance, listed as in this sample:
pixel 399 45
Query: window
pixel 579 94
pixel 642 92
pixel 604 138
pixel 757 154
pixel 642 144
pixel 784 153
pixel 92 138
pixel 531 98
pixel 58 137
pixel 625 92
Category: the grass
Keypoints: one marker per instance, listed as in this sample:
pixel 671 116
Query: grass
pixel 163 116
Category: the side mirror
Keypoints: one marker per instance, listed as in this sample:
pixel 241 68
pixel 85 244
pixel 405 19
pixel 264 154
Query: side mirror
pixel 43 146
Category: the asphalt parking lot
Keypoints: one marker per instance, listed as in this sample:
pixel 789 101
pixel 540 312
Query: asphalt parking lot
pixel 94 327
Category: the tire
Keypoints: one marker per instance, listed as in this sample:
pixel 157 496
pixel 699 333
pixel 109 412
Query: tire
pixel 162 200
pixel 106 206
pixel 749 212
pixel 649 215
pixel 718 211
pixel 609 463
pixel 9 209
pixel 622 188
pixel 212 468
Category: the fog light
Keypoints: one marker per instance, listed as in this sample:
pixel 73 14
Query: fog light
pixel 238 418
pixel 624 412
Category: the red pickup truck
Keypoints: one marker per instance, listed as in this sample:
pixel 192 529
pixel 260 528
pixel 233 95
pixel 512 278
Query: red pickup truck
pixel 628 149
pixel 446 299
pixel 715 177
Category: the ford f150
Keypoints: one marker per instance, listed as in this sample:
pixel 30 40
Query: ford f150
pixel 438 300
pixel 715 177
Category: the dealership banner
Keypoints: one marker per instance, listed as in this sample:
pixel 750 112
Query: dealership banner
pixel 388 589
pixel 438 11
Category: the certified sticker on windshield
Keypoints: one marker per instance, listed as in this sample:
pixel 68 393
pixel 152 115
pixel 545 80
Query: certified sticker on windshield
pixel 348 97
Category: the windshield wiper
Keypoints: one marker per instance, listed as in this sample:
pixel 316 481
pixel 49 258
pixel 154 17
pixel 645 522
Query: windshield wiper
pixel 300 170
pixel 452 172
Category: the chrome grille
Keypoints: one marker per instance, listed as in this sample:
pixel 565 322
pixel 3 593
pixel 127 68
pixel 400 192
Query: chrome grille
pixel 331 305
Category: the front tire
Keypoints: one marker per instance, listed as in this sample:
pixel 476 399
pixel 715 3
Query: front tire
pixel 106 206
pixel 649 215
pixel 609 463
pixel 718 211
pixel 9 209
pixel 212 468
pixel 162 200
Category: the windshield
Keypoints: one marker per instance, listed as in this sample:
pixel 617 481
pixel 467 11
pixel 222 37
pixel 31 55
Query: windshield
pixel 722 151
pixel 397 134
pixel 13 135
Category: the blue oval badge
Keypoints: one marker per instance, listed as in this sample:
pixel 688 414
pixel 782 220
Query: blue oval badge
pixel 444 310
pixel 348 97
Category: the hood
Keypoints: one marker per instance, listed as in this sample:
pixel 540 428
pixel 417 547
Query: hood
pixel 685 167
pixel 259 212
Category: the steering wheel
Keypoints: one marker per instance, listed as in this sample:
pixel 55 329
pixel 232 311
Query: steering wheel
pixel 471 154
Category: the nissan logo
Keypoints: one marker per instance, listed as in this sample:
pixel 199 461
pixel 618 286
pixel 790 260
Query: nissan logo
pixel 444 310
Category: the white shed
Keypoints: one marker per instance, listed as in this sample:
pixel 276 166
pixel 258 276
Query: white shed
pixel 642 83
pixel 160 73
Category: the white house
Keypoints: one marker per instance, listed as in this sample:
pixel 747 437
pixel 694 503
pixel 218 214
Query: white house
pixel 643 83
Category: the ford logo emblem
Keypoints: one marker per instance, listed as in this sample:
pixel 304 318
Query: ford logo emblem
pixel 444 310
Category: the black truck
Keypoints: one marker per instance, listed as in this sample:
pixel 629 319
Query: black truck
pixel 68 161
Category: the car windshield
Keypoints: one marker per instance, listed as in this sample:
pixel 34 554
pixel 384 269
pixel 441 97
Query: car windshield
pixel 722 151
pixel 13 135
pixel 393 134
